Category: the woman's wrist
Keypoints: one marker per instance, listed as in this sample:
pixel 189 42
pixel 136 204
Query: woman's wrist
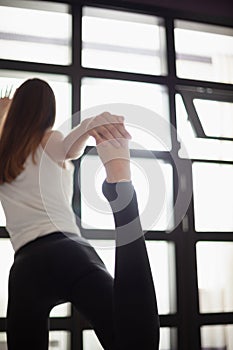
pixel 118 170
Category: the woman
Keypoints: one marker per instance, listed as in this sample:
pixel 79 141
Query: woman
pixel 51 265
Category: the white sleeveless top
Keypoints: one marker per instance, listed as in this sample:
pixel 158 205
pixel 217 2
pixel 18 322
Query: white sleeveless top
pixel 39 200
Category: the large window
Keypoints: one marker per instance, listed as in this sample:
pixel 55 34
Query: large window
pixel 172 80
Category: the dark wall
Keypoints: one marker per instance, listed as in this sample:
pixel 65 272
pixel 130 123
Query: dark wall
pixel 219 9
pixel 216 8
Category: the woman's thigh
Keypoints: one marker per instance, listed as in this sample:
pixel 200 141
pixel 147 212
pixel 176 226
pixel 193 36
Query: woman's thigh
pixel 93 298
pixel 27 314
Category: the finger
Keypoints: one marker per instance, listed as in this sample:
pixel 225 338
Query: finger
pixel 95 122
pixel 119 132
pixel 115 131
pixel 109 132
pixel 96 136
pixel 109 118
pixel 122 130
pixel 118 122
pixel 101 125
pixel 111 126
pixel 112 123
pixel 104 118
pixel 125 132
pixel 101 134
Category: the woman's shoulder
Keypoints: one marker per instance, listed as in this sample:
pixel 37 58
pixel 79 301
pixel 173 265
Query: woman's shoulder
pixel 52 143
pixel 51 137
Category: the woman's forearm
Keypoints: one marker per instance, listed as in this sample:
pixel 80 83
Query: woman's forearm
pixel 75 142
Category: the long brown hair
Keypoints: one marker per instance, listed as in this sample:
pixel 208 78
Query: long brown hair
pixel 31 113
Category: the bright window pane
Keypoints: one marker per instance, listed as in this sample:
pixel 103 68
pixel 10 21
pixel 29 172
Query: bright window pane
pixel 7 257
pixel 60 85
pixel 36 33
pixel 163 275
pixel 200 148
pixel 161 256
pixel 59 340
pixel 153 183
pixel 215 117
pixel 213 196
pixel 91 342
pixel 3 344
pixel 62 310
pixel 142 104
pixel 219 337
pixel 122 41
pixel 215 276
pixel 204 52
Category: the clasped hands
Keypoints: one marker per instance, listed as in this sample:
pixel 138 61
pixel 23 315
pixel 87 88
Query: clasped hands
pixel 112 144
pixel 107 127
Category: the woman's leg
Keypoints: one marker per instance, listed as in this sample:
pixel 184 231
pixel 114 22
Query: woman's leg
pixel 27 313
pixel 93 297
pixel 135 307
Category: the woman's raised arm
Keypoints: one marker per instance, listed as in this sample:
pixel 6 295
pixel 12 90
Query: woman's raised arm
pixel 103 127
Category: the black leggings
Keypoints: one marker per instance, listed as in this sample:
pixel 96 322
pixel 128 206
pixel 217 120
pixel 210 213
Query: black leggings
pixel 61 267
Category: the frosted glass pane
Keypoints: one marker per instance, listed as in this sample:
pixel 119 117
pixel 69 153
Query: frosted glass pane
pixel 215 276
pixel 162 261
pixel 60 85
pixel 213 196
pixel 204 52
pixel 200 148
pixel 91 342
pixel 161 256
pixel 100 95
pixel 122 41
pixel 26 34
pixel 6 258
pixel 219 337
pixel 155 198
pixel 59 340
pixel 215 117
